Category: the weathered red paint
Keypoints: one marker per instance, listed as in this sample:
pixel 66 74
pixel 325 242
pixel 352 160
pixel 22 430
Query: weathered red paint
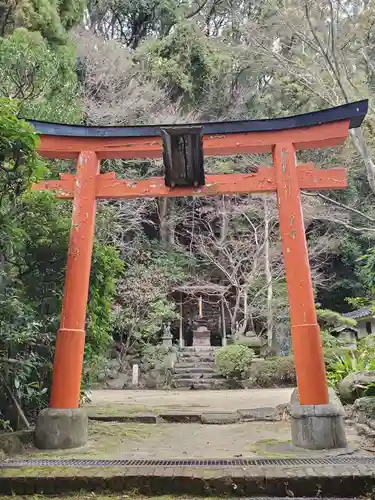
pixel 70 341
pixel 109 187
pixel 307 346
pixel 285 178
pixel 325 135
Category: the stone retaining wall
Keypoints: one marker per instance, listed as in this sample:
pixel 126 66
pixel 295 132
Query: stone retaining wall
pixel 153 374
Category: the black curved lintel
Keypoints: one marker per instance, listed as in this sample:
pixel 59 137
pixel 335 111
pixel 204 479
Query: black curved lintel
pixel 355 112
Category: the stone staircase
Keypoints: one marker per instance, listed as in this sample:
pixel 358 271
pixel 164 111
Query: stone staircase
pixel 195 369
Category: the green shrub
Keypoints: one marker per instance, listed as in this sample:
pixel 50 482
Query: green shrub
pixel 232 361
pixel 273 372
pixel 332 347
pixel 360 360
pixel 157 364
pixel 34 230
pixel 156 356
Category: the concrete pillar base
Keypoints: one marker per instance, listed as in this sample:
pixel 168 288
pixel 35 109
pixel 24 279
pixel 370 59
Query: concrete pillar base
pixel 61 429
pixel 318 427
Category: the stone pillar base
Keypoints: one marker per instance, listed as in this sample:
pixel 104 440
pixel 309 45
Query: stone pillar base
pixel 202 337
pixel 201 334
pixel 318 427
pixel 61 429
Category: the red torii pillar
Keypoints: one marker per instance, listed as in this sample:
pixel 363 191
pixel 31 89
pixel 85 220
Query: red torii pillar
pixel 70 343
pixel 285 178
pixel 307 343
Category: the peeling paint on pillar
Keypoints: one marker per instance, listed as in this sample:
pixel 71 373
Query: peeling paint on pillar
pixel 71 335
pixel 307 347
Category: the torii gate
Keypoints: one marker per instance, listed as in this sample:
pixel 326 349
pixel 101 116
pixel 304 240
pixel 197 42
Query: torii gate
pixel 282 137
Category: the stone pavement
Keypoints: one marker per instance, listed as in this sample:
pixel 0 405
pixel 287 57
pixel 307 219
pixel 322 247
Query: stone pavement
pixel 116 440
pixel 135 440
pixel 191 400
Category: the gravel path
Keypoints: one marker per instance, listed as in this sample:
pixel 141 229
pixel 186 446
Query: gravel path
pixel 192 400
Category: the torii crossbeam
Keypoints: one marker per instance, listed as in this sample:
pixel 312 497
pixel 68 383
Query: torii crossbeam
pixel 281 136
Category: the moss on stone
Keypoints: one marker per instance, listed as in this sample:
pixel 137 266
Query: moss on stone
pixel 106 440
pixel 60 471
pixel 117 410
pixel 274 448
pixel 90 496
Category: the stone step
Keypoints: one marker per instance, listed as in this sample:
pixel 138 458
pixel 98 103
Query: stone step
pixel 197 352
pixel 340 480
pixel 196 375
pixel 195 362
pixel 198 349
pixel 202 368
pixel 200 387
pixel 194 357
pixel 200 383
pixel 194 369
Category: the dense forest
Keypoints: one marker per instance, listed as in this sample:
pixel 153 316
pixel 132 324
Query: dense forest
pixel 122 62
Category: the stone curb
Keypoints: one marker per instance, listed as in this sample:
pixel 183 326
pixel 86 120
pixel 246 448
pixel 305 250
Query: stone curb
pixel 302 482
pixel 206 418
pixel 178 418
pixel 220 418
pixel 143 418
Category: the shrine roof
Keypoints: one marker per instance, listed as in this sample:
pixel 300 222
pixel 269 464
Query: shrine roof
pixel 363 312
pixel 353 112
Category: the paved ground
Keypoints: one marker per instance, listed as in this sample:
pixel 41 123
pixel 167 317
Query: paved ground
pixel 120 440
pixel 115 440
pixel 190 400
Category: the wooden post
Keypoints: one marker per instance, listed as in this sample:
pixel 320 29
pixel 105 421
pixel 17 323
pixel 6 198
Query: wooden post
pixel 71 335
pixel 307 345
pixel 200 307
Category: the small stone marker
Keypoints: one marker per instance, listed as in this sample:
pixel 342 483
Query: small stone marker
pixel 135 376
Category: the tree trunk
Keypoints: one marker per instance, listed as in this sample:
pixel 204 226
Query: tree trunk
pixel 361 146
pixel 181 329
pixel 234 315
pixel 245 311
pixel 2 276
pixel 271 332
